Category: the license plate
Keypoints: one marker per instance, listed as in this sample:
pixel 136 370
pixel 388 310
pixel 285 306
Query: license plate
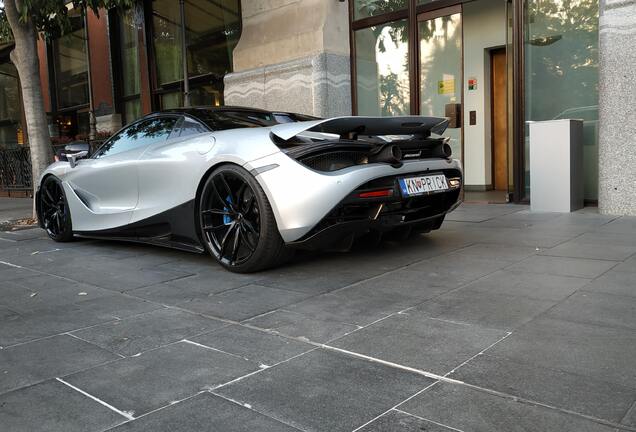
pixel 412 186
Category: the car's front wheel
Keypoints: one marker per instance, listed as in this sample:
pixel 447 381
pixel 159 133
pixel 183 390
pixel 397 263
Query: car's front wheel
pixel 54 210
pixel 236 222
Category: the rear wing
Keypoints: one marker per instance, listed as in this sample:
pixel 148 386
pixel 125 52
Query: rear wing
pixel 374 126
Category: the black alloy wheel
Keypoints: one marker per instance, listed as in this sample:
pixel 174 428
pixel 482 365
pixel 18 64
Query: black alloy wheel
pixel 54 210
pixel 236 221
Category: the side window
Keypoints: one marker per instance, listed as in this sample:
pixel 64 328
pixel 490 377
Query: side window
pixel 140 134
pixel 192 127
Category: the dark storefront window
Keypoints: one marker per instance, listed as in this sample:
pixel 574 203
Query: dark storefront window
pixel 71 67
pixel 70 83
pixel 130 70
pixel 11 133
pixel 212 30
pixel 166 24
pixel 561 73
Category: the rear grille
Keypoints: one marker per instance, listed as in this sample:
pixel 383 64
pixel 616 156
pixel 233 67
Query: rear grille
pixel 333 161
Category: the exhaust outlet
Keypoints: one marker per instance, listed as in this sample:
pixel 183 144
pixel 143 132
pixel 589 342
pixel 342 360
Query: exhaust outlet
pixel 446 149
pixel 388 153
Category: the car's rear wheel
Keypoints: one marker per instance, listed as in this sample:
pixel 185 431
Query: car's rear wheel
pixel 236 222
pixel 54 210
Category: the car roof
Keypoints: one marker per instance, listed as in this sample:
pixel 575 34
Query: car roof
pixel 237 116
pixel 198 110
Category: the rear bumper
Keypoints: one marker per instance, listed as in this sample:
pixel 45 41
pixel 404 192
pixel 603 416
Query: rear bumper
pixel 302 198
pixel 354 217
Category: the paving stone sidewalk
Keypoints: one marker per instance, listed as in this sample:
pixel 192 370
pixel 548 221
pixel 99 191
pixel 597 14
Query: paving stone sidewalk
pixel 503 320
pixel 15 208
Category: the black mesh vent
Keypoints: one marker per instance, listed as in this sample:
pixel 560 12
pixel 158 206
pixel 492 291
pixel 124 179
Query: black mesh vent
pixel 333 161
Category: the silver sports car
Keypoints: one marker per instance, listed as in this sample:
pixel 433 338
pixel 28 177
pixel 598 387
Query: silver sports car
pixel 250 186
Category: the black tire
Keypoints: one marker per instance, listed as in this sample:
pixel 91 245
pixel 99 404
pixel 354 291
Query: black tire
pixel 54 210
pixel 233 208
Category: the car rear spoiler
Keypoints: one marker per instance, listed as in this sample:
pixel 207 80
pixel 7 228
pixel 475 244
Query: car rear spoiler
pixel 375 126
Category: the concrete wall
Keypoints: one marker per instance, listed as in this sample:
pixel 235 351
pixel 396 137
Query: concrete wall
pixel 617 110
pixel 293 55
pixel 484 28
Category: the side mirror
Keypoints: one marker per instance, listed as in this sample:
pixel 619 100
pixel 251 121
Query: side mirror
pixel 75 151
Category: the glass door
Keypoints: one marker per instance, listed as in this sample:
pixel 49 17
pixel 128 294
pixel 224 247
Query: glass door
pixel 440 69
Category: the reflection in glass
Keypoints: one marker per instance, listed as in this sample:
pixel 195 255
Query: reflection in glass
pixel 166 23
pixel 440 42
pixel 137 135
pixel 171 100
pixel 212 32
pixel 561 76
pixel 128 30
pixel 132 110
pixel 382 70
pixel 207 94
pixel 10 103
pixel 367 8
pixel 71 66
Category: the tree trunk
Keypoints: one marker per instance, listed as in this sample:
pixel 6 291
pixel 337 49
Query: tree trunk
pixel 25 58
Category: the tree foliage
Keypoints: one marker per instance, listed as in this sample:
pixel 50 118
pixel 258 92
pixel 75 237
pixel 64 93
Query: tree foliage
pixel 50 18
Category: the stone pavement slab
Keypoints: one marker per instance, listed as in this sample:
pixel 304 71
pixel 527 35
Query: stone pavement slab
pixel 139 333
pixel 244 302
pixel 34 293
pixel 15 208
pixel 205 412
pixel 325 391
pixel 531 285
pixel 53 406
pixel 597 250
pixel 500 311
pixel 416 341
pixel 154 379
pixel 472 410
pixel 604 353
pixel 33 362
pixel 563 266
pixel 597 309
pixel 551 386
pixel 300 326
pixel 614 282
pixel 400 421
pixel 253 345
pixel 19 328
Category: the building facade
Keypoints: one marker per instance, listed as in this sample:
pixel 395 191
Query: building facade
pixel 493 66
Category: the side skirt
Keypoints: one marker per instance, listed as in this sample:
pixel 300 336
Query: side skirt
pixel 174 228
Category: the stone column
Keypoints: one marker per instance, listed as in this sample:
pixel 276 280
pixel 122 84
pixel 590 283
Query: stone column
pixel 617 107
pixel 293 55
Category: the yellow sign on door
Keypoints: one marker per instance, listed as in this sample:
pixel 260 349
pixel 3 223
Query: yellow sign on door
pixel 446 86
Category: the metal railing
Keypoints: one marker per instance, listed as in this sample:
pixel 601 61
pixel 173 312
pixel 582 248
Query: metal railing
pixel 15 167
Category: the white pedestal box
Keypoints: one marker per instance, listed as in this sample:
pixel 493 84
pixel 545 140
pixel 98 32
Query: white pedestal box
pixel 556 165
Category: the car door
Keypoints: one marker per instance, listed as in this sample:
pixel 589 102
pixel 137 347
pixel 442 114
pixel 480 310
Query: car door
pixel 169 171
pixel 107 184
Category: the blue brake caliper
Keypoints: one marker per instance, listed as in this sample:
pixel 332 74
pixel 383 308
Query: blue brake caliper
pixel 226 218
